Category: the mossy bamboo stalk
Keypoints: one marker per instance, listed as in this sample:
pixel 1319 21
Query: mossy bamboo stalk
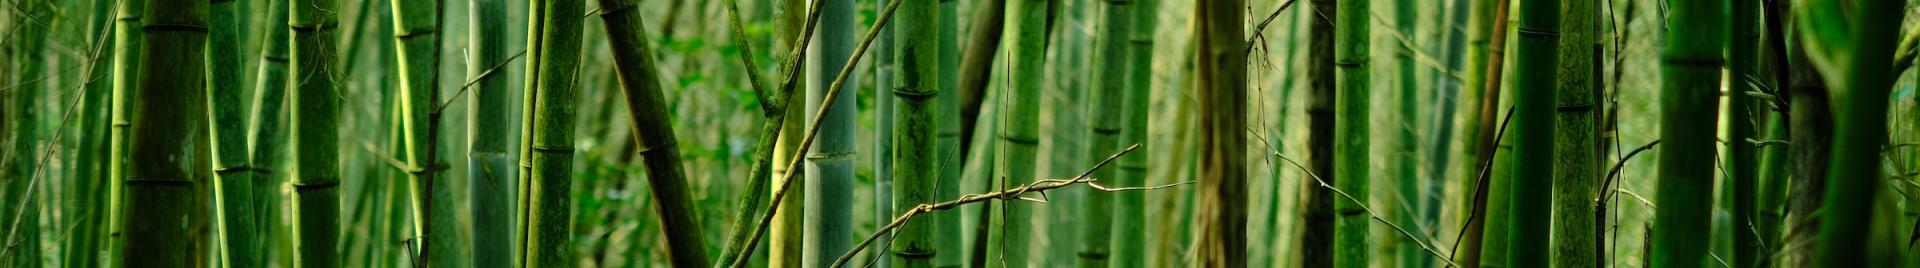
pixel 916 54
pixel 315 116
pixel 653 133
pixel 1855 179
pixel 1131 207
pixel 233 180
pixel 1026 47
pixel 1107 86
pixel 161 185
pixel 550 148
pixel 1575 169
pixel 1690 103
pixel 415 31
pixel 1317 238
pixel 126 73
pixel 489 163
pixel 1351 157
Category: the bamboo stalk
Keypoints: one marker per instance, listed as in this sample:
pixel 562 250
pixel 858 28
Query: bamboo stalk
pixel 549 150
pixel 1690 105
pixel 1133 171
pixel 233 181
pixel 1530 208
pixel 161 183
pixel 416 25
pixel 126 73
pixel 489 164
pixel 640 81
pixel 1854 178
pixel 1351 28
pixel 1317 238
pixel 916 55
pixel 314 115
pixel 90 178
pixel 1743 115
pixel 1108 85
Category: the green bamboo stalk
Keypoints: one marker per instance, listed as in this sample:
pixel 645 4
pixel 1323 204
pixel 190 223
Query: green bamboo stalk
pixel 1026 51
pixel 1576 162
pixel 916 53
pixel 1318 235
pixel 947 137
pixel 1690 104
pixel 1742 61
pixel 786 237
pixel 1131 207
pixel 829 166
pixel 1534 155
pixel 1489 200
pixel 522 196
pixel 314 115
pixel 126 73
pixel 1857 53
pixel 652 132
pixel 1108 85
pixel 489 164
pixel 1810 127
pixel 160 181
pixel 233 180
pixel 550 148
pixel 884 124
pixel 1406 140
pixel 415 26
pixel 1351 29
pixel 268 134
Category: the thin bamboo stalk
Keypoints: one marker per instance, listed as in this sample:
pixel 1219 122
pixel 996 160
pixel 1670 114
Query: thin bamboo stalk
pixel 315 115
pixel 233 180
pixel 653 133
pixel 549 149
pixel 415 31
pixel 1108 85
pixel 128 39
pixel 1351 28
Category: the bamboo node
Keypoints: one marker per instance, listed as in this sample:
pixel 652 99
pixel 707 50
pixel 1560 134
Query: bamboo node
pixel 312 27
pixel 159 181
pixel 1093 255
pixel 170 27
pixel 1020 140
pixel 315 185
pixel 553 149
pixel 1524 31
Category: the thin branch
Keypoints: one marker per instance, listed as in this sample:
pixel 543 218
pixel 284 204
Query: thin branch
pixel 1614 172
pixel 1376 216
pixel 1259 30
pixel 476 79
pixel 1486 170
pixel 13 229
pixel 1039 187
pixel 765 96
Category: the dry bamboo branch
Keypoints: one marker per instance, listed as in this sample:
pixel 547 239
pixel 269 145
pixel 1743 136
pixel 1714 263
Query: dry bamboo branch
pixel 1040 187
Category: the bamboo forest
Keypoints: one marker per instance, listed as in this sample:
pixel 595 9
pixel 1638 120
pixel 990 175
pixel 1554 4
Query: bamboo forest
pixel 959 133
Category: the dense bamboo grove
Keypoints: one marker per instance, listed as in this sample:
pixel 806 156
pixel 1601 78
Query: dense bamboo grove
pixel 959 133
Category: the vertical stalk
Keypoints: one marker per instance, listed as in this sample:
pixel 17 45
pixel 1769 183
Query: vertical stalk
pixel 416 24
pixel 829 166
pixel 1131 207
pixel 653 134
pixel 164 195
pixel 1690 105
pixel 1576 172
pixel 1019 129
pixel 1351 30
pixel 127 41
pixel 1318 236
pixel 884 114
pixel 33 20
pixel 1108 86
pixel 1406 141
pixel 1855 177
pixel 916 53
pixel 268 134
pixel 1742 116
pixel 1221 85
pixel 489 163
pixel 550 148
pixel 315 115
pixel 90 177
pixel 233 182
pixel 947 136
pixel 786 237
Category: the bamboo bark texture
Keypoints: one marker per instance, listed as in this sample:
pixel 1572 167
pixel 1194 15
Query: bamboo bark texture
pixel 167 224
pixel 1352 28
pixel 315 115
pixel 1689 103
pixel 1222 167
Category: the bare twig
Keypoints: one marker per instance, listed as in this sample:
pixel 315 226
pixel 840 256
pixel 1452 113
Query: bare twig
pixel 1376 216
pixel 476 79
pixel 1615 171
pixel 1259 30
pixel 1039 187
